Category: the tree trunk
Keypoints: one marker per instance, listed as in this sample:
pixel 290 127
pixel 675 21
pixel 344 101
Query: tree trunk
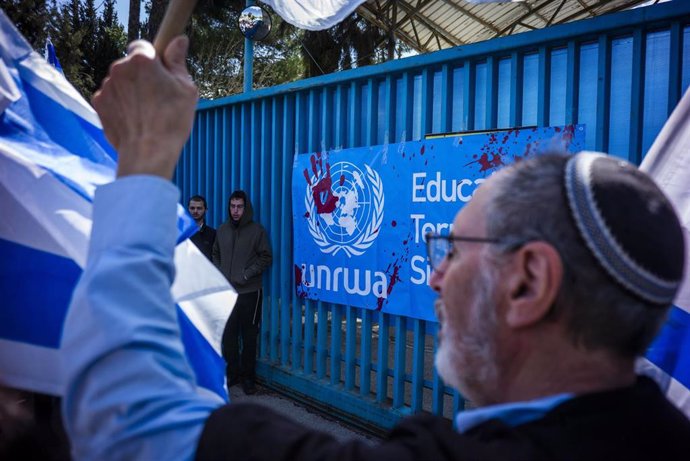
pixel 155 18
pixel 133 24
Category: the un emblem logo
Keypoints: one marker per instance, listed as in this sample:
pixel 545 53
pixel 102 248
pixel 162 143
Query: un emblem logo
pixel 344 207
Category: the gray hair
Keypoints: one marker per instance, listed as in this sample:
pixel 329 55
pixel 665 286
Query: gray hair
pixel 528 202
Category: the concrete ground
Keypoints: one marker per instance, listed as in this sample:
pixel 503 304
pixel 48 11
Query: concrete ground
pixel 301 414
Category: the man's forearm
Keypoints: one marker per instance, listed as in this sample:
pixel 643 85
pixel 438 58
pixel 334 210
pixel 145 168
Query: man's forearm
pixel 131 393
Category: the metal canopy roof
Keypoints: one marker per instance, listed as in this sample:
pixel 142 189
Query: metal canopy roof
pixel 431 25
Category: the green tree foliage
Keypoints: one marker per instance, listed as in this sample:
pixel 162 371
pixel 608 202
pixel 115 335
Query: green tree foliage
pixel 216 54
pixel 30 18
pixel 86 43
pixel 354 42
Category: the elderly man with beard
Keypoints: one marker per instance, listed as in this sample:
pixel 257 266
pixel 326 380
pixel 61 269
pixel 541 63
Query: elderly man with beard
pixel 556 276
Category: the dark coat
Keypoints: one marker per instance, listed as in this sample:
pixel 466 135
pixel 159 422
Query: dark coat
pixel 204 239
pixel 242 253
pixel 630 423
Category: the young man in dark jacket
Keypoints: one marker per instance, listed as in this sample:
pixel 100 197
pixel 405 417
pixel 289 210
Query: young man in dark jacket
pixel 206 234
pixel 242 252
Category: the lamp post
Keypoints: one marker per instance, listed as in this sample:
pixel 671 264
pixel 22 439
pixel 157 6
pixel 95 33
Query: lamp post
pixel 255 24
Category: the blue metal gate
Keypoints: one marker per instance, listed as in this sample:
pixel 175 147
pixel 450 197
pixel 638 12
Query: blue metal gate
pixel 620 75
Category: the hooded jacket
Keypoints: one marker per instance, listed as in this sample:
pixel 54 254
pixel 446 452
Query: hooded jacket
pixel 242 253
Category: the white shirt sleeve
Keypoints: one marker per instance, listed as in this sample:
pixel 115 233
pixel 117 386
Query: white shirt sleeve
pixel 131 394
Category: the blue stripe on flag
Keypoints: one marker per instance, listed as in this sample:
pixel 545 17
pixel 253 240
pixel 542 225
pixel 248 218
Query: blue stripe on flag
pixel 62 126
pixel 36 288
pixel 670 350
pixel 208 366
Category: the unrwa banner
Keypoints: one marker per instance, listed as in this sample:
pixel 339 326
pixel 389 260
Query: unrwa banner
pixel 360 215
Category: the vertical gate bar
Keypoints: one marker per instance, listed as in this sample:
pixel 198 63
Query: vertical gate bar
pixel 389 130
pixel 408 106
pixel 637 96
pixel 220 175
pixel 287 276
pixel 382 359
pixel 458 402
pixel 327 117
pixel 603 94
pixel 193 149
pixel 572 85
pixel 437 388
pixel 235 153
pixel 544 87
pixel 417 365
pixel 399 362
pixel 365 354
pixel 372 110
pixel 350 346
pixel 340 118
pixel 675 68
pixel 309 338
pixel 264 166
pixel 446 99
pixel 243 152
pixel 305 115
pixel 354 114
pixel 336 339
pixel 254 184
pixel 469 69
pixel 516 88
pixel 321 339
pixel 276 236
pixel 212 165
pixel 491 110
pixel 427 106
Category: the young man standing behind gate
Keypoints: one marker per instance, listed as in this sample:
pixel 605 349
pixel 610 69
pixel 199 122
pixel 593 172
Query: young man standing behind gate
pixel 242 252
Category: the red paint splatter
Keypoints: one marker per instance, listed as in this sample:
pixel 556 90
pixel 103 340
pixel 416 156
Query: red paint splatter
pixel 394 279
pixel 301 291
pixel 324 199
pixel 492 138
pixel 528 147
pixel 342 179
pixel 568 133
pixel 421 151
pixel 307 215
pixel 312 159
pixel 484 162
pixel 487 164
pixel 298 275
pixel 497 161
pixel 394 223
pixel 404 242
pixel 558 129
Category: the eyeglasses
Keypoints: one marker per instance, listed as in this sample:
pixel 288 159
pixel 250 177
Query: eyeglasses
pixel 439 247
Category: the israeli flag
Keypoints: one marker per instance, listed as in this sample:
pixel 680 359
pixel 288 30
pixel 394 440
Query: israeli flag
pixel 51 56
pixel 53 155
pixel 668 162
